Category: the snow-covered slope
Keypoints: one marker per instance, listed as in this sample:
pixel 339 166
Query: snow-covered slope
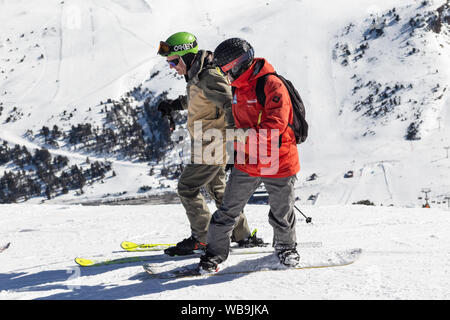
pixel 370 76
pixel 93 62
pixel 405 254
pixel 395 64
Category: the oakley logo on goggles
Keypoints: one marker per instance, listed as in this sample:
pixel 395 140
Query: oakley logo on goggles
pixel 165 49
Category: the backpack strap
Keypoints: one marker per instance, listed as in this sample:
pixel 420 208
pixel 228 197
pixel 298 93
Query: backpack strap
pixel 260 84
pixel 261 95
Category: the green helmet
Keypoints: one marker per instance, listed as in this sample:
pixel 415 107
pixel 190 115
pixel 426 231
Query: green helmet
pixel 179 43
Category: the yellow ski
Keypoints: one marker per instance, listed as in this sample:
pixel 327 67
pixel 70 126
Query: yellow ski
pixel 99 262
pixel 135 247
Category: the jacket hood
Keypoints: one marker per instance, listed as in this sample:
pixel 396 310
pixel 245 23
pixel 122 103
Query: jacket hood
pixel 259 68
pixel 202 59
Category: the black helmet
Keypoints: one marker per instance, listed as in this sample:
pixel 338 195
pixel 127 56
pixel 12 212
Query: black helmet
pixel 234 56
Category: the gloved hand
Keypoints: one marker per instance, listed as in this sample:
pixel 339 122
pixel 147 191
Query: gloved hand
pixel 167 106
pixel 230 166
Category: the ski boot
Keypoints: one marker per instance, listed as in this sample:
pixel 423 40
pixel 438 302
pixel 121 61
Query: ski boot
pixel 186 247
pixel 252 241
pixel 288 257
pixel 209 263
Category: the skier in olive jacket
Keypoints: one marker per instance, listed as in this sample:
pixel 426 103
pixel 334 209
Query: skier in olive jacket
pixel 208 103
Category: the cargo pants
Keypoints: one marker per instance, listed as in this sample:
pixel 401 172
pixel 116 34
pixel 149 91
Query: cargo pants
pixel 212 178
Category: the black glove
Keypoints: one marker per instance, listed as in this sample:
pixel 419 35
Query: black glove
pixel 230 166
pixel 167 106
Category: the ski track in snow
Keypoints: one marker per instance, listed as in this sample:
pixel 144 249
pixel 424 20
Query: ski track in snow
pixel 60 57
pixel 388 189
pixel 122 27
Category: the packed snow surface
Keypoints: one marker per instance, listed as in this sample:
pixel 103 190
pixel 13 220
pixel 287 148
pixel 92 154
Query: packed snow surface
pixel 406 254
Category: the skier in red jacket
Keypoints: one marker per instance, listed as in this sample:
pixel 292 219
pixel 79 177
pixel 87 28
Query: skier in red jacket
pixel 268 154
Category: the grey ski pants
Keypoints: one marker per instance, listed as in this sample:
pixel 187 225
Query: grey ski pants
pixel 239 188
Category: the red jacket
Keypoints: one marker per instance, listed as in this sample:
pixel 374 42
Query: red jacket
pixel 262 146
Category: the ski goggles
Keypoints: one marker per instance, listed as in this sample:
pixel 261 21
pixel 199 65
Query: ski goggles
pixel 174 62
pixel 235 63
pixel 166 49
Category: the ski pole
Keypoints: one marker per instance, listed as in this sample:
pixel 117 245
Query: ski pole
pixel 308 219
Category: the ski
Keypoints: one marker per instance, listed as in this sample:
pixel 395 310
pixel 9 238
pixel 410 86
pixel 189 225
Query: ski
pixel 96 262
pixel 83 262
pixel 5 247
pixel 141 247
pixel 270 263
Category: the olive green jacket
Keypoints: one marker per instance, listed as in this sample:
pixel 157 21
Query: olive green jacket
pixel 208 102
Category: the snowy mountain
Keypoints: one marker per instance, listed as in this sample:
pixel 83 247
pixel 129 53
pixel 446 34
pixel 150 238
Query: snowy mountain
pixel 412 42
pixel 79 85
pixel 81 80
